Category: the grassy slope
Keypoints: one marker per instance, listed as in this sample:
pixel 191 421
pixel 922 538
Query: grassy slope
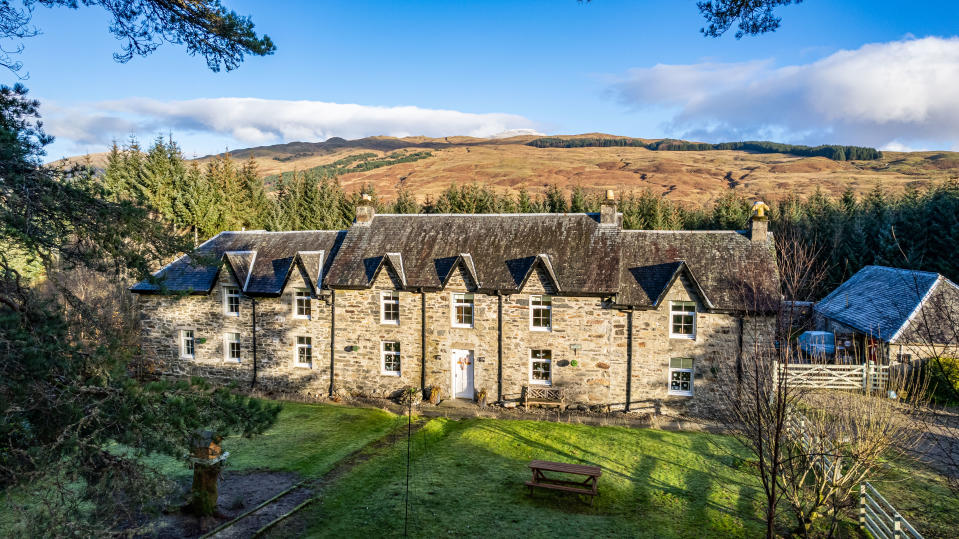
pixel 468 480
pixel 690 177
pixel 307 439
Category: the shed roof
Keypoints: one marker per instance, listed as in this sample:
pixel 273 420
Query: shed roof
pixel 878 301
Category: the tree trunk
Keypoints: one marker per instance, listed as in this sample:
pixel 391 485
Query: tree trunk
pixel 203 493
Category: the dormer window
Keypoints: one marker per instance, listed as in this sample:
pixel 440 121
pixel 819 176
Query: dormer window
pixel 540 313
pixel 682 320
pixel 462 310
pixel 390 308
pixel 231 301
pixel 301 304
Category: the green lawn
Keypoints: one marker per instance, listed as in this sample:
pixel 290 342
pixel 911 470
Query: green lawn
pixel 467 479
pixel 307 439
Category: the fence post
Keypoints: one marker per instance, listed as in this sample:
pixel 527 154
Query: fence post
pixel 897 526
pixel 865 377
pixel 862 506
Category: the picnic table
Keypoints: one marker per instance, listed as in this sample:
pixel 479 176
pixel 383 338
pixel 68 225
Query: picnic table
pixel 587 486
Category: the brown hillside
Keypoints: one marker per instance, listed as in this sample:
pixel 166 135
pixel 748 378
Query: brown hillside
pixel 693 177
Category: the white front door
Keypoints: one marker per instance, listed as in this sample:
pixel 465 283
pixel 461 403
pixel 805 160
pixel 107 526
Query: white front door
pixel 462 366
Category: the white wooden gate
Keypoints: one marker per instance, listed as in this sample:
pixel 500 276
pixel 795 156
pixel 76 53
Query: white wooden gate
pixel 867 377
pixel 881 518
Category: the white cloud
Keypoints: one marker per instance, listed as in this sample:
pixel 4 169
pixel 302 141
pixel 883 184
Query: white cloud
pixel 251 121
pixel 901 92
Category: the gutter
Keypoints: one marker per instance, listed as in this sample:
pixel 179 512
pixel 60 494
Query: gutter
pixel 332 337
pixel 629 357
pixel 253 317
pixel 499 347
pixel 423 341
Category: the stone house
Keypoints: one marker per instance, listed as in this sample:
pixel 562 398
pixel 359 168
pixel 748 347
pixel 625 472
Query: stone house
pixel 618 319
pixel 887 315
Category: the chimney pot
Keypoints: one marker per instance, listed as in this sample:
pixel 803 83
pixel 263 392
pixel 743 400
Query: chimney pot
pixel 607 210
pixel 759 223
pixel 365 210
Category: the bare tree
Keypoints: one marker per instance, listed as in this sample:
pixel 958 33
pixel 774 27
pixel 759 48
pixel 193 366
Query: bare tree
pixel 812 447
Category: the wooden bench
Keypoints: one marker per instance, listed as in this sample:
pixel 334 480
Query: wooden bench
pixel 587 486
pixel 543 395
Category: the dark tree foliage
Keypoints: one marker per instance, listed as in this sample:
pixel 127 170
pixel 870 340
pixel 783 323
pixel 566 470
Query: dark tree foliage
pixel 205 27
pixel 751 17
pixel 74 422
pixel 830 151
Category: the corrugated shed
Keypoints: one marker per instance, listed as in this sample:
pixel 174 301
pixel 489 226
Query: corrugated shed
pixel 878 300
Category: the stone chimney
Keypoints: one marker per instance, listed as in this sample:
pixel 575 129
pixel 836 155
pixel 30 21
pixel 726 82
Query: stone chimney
pixel 759 223
pixel 365 210
pixel 607 211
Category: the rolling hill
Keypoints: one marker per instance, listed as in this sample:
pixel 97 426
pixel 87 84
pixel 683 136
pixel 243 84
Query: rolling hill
pixel 509 164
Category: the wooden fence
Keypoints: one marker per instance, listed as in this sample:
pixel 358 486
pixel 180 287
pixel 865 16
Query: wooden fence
pixel 876 515
pixel 867 377
pixel 881 518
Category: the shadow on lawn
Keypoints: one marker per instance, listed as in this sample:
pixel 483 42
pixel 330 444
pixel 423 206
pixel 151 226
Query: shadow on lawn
pixel 688 489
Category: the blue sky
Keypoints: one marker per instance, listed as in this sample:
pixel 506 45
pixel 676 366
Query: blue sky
pixel 856 72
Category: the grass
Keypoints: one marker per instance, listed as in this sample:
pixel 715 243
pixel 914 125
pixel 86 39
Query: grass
pixel 920 495
pixel 467 479
pixel 307 439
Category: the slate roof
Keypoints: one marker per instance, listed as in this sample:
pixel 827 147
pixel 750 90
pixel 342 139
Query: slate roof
pixel 878 300
pixel 500 252
pixel 729 271
pixel 266 257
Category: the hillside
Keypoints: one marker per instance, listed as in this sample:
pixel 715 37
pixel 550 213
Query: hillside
pixel 509 164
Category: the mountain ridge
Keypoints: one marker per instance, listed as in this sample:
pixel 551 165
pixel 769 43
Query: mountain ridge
pixel 509 164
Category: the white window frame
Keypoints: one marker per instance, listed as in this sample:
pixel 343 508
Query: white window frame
pixel 548 360
pixel 672 314
pixel 395 353
pixel 547 308
pixel 389 297
pixel 227 356
pixel 299 349
pixel 183 340
pixel 454 297
pixel 302 294
pixel 226 300
pixel 678 370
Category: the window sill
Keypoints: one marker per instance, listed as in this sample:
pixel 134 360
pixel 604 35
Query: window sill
pixel 299 317
pixel 389 322
pixel 461 326
pixel 232 315
pixel 540 383
pixel 302 365
pixel 682 337
pixel 232 361
pixel 394 374
pixel 542 330
pixel 187 357
pixel 678 394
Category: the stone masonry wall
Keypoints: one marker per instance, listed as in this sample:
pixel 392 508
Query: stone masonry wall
pixel 163 317
pixel 584 329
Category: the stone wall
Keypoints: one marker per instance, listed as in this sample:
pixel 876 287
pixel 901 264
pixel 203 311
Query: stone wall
pixel 585 330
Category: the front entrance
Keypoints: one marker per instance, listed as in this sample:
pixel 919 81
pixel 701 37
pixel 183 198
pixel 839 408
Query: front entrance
pixel 462 367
